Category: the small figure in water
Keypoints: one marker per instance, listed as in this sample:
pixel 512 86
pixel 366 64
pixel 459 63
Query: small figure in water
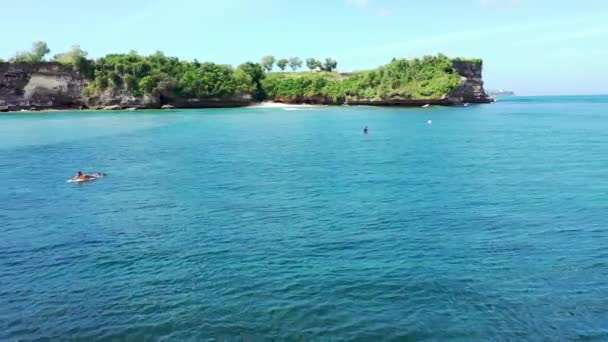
pixel 80 176
pixel 365 130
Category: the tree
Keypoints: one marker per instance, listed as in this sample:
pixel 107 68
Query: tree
pixel 426 78
pixel 115 79
pixel 243 82
pixel 148 84
pixel 78 58
pixel 209 80
pixel 39 50
pixel 159 74
pixel 20 57
pixel 256 74
pixel 74 56
pixel 312 63
pixel 330 64
pixel 295 63
pixel 282 63
pixel 102 81
pixel 268 62
pixel 35 55
pixel 254 70
pixel 131 83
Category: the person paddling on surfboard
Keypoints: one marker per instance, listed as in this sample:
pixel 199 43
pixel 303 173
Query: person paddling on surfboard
pixel 82 176
pixel 365 130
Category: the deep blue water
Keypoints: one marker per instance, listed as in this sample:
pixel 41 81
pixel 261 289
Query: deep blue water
pixel 256 224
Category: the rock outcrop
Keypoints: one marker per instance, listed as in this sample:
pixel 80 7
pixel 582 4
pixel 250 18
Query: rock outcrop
pixel 121 99
pixel 40 86
pixel 214 102
pixel 471 88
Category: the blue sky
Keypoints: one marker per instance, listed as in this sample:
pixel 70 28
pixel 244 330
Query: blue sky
pixel 530 46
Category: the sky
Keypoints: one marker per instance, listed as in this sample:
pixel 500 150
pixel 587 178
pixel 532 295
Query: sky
pixel 530 46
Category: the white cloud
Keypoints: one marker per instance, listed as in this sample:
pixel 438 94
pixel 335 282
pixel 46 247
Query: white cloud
pixel 385 12
pixel 358 3
pixel 369 7
pixel 499 3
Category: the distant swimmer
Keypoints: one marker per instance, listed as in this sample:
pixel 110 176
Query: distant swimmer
pixel 365 130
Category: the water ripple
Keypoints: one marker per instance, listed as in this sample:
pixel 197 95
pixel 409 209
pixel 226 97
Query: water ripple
pixel 233 225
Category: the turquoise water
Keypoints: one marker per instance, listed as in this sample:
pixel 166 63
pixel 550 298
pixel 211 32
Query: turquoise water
pixel 256 224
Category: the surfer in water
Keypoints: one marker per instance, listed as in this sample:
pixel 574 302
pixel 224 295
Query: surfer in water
pixel 80 176
pixel 365 130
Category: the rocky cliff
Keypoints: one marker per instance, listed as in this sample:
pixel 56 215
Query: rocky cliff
pixel 39 86
pixel 120 99
pixel 56 86
pixel 466 87
pixel 471 86
pixel 43 86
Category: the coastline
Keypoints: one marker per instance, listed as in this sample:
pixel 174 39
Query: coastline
pixel 413 103
pixel 51 85
pixel 274 104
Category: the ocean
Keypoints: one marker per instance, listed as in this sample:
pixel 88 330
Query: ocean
pixel 247 224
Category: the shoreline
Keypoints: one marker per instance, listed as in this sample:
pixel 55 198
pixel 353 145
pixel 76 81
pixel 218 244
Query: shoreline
pixel 273 104
pixel 258 105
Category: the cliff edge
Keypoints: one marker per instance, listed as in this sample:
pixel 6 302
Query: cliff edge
pixel 470 89
pixel 431 80
pixel 435 80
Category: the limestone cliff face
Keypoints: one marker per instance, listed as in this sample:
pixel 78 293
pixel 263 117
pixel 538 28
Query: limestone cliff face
pixel 213 102
pixel 471 86
pixel 120 98
pixel 40 86
pixel 55 86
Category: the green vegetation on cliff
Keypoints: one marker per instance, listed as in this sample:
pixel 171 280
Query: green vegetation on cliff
pixel 78 58
pixel 156 73
pixel 467 60
pixel 35 55
pixel 429 77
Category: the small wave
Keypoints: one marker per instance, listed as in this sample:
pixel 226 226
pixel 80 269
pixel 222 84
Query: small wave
pixel 281 105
